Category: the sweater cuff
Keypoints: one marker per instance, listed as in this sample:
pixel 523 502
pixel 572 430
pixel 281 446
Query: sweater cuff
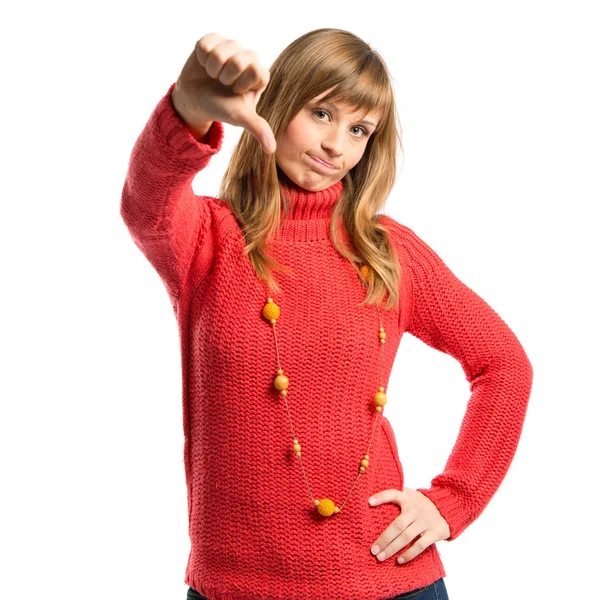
pixel 457 517
pixel 177 136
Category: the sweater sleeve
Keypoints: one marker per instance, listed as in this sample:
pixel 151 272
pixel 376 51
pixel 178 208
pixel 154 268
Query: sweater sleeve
pixel 449 316
pixel 166 220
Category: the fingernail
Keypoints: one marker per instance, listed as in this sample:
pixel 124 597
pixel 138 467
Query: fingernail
pixel 375 549
pixel 371 500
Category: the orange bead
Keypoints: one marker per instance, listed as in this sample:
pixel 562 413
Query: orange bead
pixel 380 398
pixel 281 382
pixel 271 311
pixel 326 507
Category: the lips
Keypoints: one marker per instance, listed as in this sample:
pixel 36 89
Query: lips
pixel 321 161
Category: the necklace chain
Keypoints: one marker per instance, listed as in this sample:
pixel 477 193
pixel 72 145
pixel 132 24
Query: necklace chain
pixel 325 506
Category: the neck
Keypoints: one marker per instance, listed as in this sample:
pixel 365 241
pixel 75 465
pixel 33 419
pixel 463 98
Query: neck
pixel 310 212
pixel 308 205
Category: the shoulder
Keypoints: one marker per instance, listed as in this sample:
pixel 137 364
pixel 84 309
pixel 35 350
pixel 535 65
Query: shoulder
pixel 223 221
pixel 408 244
pixel 399 232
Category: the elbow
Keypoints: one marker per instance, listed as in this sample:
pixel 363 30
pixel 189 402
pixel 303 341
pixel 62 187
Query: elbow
pixel 510 369
pixel 516 362
pixel 521 363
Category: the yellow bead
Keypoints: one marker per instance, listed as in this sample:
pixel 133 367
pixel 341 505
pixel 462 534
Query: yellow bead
pixel 382 335
pixel 361 469
pixel 378 408
pixel 271 311
pixel 364 462
pixel 380 398
pixel 297 448
pixel 326 507
pixel 364 271
pixel 281 382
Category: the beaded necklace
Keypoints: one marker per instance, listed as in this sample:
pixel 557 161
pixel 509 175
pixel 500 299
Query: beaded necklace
pixel 325 506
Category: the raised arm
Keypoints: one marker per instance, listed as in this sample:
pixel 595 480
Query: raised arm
pixel 450 317
pixel 167 221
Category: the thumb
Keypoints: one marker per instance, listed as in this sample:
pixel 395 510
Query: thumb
pixel 262 131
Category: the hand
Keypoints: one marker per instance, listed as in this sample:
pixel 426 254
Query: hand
pixel 223 82
pixel 418 520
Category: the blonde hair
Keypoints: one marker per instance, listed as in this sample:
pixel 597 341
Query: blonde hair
pixel 310 65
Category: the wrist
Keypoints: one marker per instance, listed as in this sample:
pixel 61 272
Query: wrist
pixel 198 127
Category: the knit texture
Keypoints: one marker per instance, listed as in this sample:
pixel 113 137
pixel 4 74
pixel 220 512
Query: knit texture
pixel 254 532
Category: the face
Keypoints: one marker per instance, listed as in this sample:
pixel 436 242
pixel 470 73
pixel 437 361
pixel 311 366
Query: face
pixel 330 132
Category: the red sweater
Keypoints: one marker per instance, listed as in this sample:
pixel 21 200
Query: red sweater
pixel 255 535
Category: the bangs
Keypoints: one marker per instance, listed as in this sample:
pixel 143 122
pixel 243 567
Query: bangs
pixel 363 95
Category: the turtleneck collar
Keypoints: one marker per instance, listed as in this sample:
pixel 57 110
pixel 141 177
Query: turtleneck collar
pixel 310 212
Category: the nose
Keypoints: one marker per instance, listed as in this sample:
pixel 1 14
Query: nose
pixel 332 143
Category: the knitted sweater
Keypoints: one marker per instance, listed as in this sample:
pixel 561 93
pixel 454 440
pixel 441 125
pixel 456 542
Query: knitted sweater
pixel 255 534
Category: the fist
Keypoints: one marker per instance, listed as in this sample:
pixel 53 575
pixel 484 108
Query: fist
pixel 221 81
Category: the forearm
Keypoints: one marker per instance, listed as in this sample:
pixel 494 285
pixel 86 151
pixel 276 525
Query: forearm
pixel 158 205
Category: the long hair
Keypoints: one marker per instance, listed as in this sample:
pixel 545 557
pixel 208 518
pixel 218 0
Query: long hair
pixel 310 65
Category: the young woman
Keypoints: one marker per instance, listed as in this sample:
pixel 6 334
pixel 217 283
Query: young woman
pixel 295 487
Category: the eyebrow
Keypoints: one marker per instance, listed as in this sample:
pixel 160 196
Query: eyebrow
pixel 336 108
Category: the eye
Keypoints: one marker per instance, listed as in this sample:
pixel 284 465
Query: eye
pixel 366 133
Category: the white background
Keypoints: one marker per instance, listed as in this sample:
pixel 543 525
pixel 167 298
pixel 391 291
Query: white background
pixel 499 108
